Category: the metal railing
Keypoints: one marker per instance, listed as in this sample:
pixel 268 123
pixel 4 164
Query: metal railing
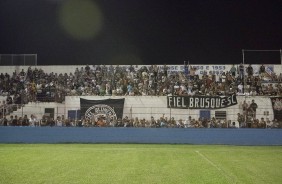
pixel 18 59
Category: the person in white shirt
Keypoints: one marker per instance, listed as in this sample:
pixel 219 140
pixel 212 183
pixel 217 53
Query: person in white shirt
pixel 187 122
pixel 240 88
pixel 33 121
pixel 59 121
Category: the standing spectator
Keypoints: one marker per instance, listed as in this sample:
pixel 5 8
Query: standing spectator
pixel 165 69
pixel 155 70
pixel 192 73
pixel 249 120
pixel 131 69
pixel 186 69
pixel 262 70
pixel 4 108
pixel 245 107
pixel 111 70
pixel 233 70
pixel 253 107
pixel 129 89
pixel 87 69
pixel 223 78
pixel 241 71
pixel 279 78
pixel 250 70
pixel 241 120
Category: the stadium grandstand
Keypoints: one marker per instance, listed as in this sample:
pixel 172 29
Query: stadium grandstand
pixel 175 96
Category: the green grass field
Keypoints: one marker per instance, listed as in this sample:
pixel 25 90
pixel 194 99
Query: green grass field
pixel 138 163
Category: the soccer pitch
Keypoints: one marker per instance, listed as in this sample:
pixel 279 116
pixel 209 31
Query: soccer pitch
pixel 139 163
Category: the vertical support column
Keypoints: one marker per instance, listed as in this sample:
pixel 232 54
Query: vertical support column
pixel 35 59
pixel 243 55
pixel 281 56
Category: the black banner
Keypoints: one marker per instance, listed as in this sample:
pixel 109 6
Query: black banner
pixel 277 107
pixel 201 102
pixel 110 109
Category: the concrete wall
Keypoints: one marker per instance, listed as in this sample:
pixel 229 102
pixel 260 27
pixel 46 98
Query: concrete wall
pixel 140 135
pixel 147 106
pixel 38 109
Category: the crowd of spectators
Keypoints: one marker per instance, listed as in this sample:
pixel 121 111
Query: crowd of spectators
pixel 36 85
pixel 162 122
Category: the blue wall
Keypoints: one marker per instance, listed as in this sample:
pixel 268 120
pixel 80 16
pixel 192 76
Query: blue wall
pixel 140 135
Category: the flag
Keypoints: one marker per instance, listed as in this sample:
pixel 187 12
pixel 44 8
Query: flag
pixel 110 109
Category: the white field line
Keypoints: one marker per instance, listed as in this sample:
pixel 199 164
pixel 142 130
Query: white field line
pixel 217 167
pixel 208 160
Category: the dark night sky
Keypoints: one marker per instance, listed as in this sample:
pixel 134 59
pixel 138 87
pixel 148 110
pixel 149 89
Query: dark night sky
pixel 140 31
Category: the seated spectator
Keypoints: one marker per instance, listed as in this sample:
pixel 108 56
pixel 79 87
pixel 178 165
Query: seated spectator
pixel 59 121
pixel 232 125
pixel 136 122
pixel 15 121
pixel 153 122
pixel 126 122
pixel 33 121
pixel 275 124
pixel 100 122
pixel 268 123
pixel 187 123
pixel 10 121
pixel 43 121
pixel 119 122
pixel 4 121
pixel 179 124
pixel 163 122
pixel 262 123
pixel 25 121
pixel 172 123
